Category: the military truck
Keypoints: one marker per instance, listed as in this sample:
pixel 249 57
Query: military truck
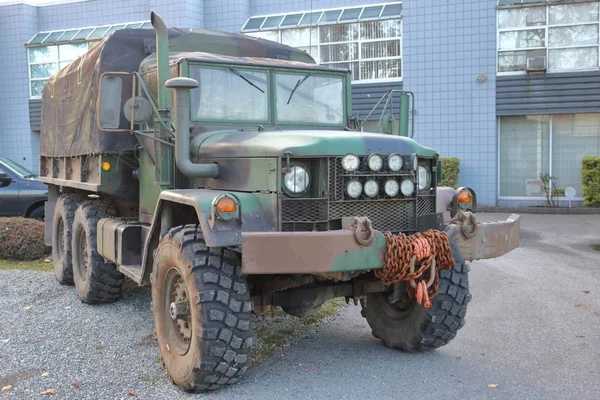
pixel 230 174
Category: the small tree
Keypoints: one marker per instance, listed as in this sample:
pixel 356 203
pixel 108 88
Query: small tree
pixel 549 189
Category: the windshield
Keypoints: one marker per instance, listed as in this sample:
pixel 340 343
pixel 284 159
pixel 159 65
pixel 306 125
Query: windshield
pixel 230 94
pixel 309 98
pixel 18 168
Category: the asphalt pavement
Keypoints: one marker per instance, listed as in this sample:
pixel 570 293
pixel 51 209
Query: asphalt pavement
pixel 532 332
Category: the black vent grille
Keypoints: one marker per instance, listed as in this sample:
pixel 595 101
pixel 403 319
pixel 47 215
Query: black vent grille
pixel 426 205
pixel 393 216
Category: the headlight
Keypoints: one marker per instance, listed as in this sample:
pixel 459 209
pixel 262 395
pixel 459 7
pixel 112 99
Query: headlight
pixel 354 188
pixel 375 162
pixel 395 162
pixel 371 188
pixel 296 180
pixel 424 177
pixel 391 188
pixel 407 187
pixel 350 162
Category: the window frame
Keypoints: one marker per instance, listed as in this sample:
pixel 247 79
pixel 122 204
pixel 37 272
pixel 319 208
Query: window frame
pixel 579 196
pixel 58 42
pixel 271 92
pixel 547 48
pixel 359 41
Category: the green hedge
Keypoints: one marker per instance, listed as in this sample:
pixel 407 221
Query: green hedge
pixel 22 239
pixel 590 180
pixel 450 171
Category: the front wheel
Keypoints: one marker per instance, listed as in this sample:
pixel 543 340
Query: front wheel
pixel 202 311
pixel 409 326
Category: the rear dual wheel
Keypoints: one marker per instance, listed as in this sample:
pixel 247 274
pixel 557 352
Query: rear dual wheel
pixel 96 280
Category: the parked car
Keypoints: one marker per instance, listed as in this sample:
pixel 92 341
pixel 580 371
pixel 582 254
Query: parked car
pixel 21 194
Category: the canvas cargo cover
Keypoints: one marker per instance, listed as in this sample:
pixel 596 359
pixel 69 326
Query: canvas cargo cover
pixel 70 97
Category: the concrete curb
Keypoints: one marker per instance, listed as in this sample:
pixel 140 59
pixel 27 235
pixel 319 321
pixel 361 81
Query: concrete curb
pixel 540 210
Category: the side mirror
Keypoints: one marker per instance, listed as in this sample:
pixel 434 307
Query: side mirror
pixel 5 180
pixel 119 108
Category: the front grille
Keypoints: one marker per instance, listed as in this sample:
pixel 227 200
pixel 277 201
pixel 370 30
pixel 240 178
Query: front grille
pixel 396 214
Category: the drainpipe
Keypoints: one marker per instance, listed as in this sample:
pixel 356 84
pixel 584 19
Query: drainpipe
pixel 181 111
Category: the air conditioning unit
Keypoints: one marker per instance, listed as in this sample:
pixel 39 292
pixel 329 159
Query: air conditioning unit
pixel 536 64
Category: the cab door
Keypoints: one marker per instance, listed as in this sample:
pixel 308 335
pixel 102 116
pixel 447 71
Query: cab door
pixel 9 195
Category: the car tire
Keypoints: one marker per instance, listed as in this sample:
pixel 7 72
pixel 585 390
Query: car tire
pixel 37 213
pixel 62 228
pixel 96 280
pixel 202 311
pixel 413 328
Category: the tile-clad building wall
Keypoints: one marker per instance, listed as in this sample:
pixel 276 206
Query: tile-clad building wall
pixel 228 16
pixel 447 46
pixel 18 23
pixel 180 13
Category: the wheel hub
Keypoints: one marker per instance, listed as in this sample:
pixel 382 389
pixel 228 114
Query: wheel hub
pixel 179 319
pixel 178 310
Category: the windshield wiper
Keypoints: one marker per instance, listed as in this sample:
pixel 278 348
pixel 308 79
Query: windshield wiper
pixel 235 71
pixel 300 82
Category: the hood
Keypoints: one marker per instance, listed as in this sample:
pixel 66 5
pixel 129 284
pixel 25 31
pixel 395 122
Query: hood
pixel 303 144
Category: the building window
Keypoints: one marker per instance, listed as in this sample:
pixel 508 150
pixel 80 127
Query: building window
pixel 565 34
pixel 49 52
pixel 366 40
pixel 537 144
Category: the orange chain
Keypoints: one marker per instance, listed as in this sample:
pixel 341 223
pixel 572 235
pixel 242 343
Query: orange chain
pixel 426 247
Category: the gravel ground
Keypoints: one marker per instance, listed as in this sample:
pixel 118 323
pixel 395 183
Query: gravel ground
pixel 103 351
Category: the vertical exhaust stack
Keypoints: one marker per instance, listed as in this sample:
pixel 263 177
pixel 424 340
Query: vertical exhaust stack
pixel 163 155
pixel 162 59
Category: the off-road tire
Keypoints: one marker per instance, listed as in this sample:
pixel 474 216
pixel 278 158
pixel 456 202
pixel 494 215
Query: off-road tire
pixel 62 229
pixel 220 311
pixel 416 328
pixel 96 281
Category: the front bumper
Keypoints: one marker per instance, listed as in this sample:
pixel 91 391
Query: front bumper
pixel 339 251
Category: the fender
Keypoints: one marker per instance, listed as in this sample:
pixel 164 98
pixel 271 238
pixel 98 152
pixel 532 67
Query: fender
pixel 171 208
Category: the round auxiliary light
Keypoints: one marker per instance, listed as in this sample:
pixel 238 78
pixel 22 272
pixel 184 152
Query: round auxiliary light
pixel 465 199
pixel 391 188
pixel 375 162
pixel 106 166
pixel 424 177
pixel 407 187
pixel 350 162
pixel 395 162
pixel 371 188
pixel 296 180
pixel 354 188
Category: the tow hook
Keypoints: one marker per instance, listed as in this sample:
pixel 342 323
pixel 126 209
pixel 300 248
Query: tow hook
pixel 468 223
pixel 363 231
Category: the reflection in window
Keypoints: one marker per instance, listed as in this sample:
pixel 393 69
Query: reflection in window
pixel 556 144
pixel 308 98
pixel 47 60
pixel 568 37
pixel 230 95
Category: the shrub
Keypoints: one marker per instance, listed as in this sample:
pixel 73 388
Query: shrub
pixel 22 239
pixel 450 172
pixel 590 180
